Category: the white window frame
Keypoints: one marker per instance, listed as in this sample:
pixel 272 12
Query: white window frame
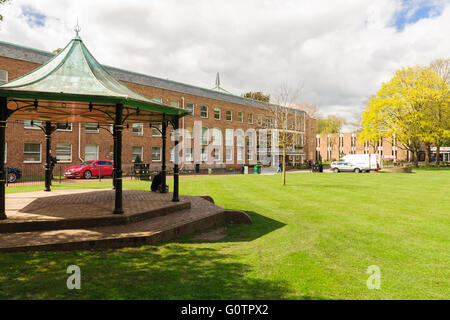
pixel 201 111
pixel 217 154
pixel 217 136
pixel 32 127
pixel 229 156
pixel 5 76
pixel 67 130
pixel 242 116
pixel 250 116
pixel 260 119
pixel 188 155
pixel 158 133
pixel 97 130
pixel 56 151
pixel 204 154
pixel 230 113
pixel 157 99
pixel 40 153
pixel 133 153
pixel 153 160
pixel 204 142
pixel 139 133
pixel 96 152
pixel 220 113
pixel 193 108
pixel 240 153
pixel 229 137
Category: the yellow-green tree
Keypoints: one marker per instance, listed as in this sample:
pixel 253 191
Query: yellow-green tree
pixel 405 107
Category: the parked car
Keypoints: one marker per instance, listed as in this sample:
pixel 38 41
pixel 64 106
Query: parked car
pixel 342 166
pixel 13 174
pixel 89 169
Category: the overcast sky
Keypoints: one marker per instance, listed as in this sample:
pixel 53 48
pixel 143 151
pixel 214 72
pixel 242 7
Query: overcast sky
pixel 339 52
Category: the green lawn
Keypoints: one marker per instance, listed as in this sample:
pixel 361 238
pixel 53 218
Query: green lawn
pixel 312 239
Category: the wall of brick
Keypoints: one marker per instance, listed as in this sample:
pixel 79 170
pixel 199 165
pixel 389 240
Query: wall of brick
pixel 17 135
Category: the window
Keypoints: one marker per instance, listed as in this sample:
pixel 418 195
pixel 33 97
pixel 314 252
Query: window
pixel 240 138
pixel 188 154
pixel 229 137
pixel 91 128
pixel 3 76
pixel 138 129
pixel 240 154
pixel 172 155
pixel 111 152
pixel 217 154
pixel 204 155
pixel 64 152
pixel 174 103
pixel 229 115
pixel 205 136
pixel 217 137
pixel 250 118
pixel 137 152
pixel 260 120
pixel 157 99
pixel 64 126
pixel 32 153
pixel 190 108
pixel 27 124
pixel 250 155
pixel 155 131
pixel 229 154
pixel 250 139
pixel 188 132
pixel 240 116
pixel 204 112
pixel 217 113
pixel 90 152
pixel 156 153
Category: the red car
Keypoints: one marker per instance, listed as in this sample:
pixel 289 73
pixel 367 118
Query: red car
pixel 91 168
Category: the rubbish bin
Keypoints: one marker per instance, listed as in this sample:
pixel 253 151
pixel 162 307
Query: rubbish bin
pixel 142 171
pixel 257 169
pixel 209 171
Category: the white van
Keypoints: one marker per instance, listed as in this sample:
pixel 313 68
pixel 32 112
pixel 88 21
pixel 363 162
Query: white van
pixel 365 162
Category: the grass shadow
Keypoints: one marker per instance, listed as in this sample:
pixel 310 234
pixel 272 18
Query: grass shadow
pixel 171 271
pixel 240 233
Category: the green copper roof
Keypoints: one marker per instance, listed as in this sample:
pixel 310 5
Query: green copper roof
pixel 75 75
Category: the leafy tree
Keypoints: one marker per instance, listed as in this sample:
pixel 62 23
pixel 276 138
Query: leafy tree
pixel 2 2
pixel 330 124
pixel 258 95
pixel 404 107
pixel 440 112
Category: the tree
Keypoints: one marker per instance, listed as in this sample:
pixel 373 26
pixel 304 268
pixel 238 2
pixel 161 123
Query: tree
pixel 2 2
pixel 311 109
pixel 440 114
pixel 284 115
pixel 258 95
pixel 403 107
pixel 330 124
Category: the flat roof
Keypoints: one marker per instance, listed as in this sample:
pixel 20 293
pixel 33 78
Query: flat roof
pixel 15 51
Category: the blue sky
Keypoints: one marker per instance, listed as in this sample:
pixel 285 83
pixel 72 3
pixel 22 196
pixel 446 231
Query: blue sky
pixel 412 11
pixel 34 17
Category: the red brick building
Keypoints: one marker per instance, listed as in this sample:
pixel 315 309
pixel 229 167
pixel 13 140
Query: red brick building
pixel 221 132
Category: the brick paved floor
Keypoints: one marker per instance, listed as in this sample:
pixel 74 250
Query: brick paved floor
pixel 202 214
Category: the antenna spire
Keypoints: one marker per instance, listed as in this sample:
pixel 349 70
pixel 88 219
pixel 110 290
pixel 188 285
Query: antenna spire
pixel 77 30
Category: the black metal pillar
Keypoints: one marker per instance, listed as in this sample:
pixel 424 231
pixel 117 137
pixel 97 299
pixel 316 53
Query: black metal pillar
pixel 48 141
pixel 176 125
pixel 3 173
pixel 163 158
pixel 114 156
pixel 118 128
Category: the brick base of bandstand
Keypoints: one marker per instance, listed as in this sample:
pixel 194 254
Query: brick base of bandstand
pixel 83 219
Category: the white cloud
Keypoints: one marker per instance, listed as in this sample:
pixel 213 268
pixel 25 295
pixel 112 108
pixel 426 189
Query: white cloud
pixel 340 50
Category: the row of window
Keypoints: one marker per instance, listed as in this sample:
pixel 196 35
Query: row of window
pixel 33 153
